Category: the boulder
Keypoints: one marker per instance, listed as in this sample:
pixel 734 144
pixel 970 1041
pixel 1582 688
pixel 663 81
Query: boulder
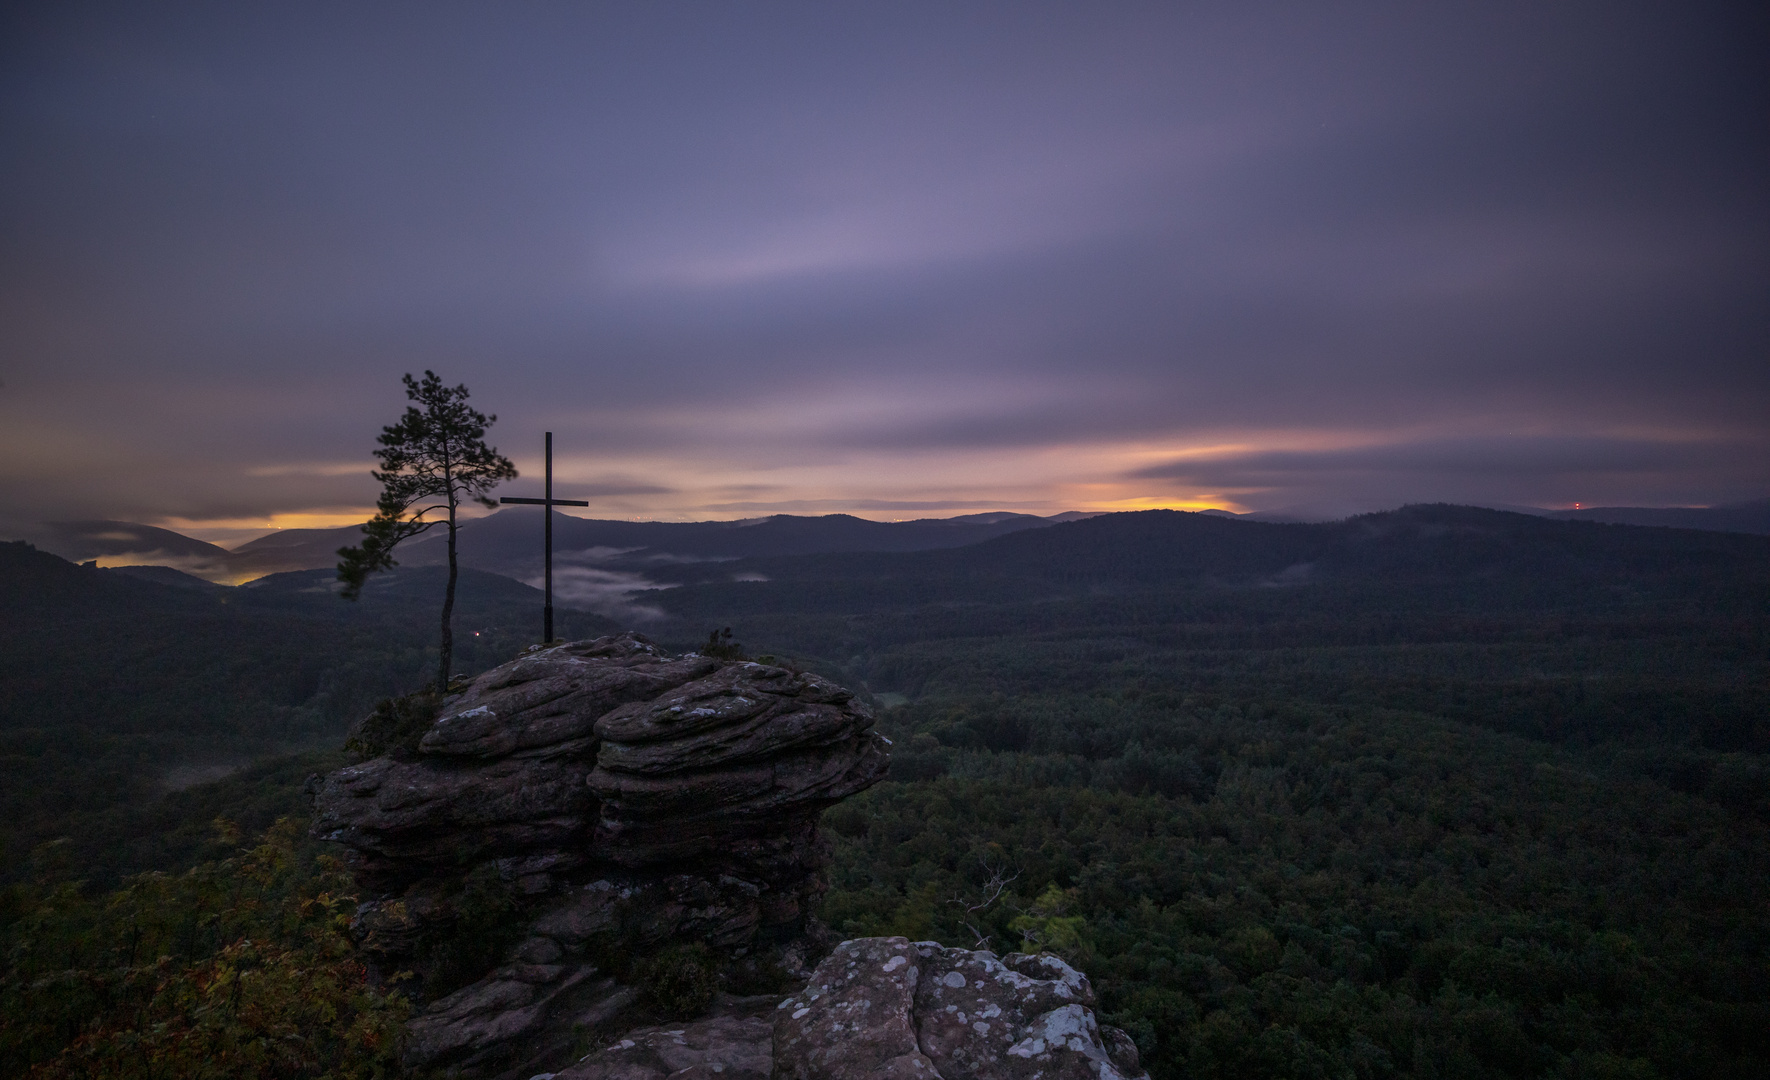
pixel 409 819
pixel 855 1017
pixel 890 1007
pixel 734 755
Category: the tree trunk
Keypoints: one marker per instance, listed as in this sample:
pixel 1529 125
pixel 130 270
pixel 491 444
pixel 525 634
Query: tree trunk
pixel 448 611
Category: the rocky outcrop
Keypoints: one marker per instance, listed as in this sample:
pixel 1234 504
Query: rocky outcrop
pixel 890 1008
pixel 572 813
pixel 578 806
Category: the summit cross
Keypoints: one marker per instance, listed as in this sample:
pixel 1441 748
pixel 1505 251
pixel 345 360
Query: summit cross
pixel 547 503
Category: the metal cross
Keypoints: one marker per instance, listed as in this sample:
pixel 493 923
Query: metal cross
pixel 547 504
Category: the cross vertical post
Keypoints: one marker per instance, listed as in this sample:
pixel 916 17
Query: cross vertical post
pixel 547 503
pixel 547 515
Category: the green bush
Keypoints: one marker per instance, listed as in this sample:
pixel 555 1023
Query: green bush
pixel 396 724
pixel 487 922
pixel 679 981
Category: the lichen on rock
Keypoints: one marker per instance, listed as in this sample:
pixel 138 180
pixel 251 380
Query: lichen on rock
pixel 892 1007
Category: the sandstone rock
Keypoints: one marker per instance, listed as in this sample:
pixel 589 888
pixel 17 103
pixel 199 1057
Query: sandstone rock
pixel 510 1003
pixel 720 909
pixel 552 698
pixel 647 820
pixel 606 750
pixel 727 1047
pixel 1122 1049
pixel 854 1017
pixel 884 1006
pixel 738 753
pixel 537 950
pixel 621 798
pixel 408 817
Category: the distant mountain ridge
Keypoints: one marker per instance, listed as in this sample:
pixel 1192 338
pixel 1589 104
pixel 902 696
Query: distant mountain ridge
pixel 1462 556
pixel 1743 517
pixel 86 541
pixel 1752 516
pixel 598 562
pixel 509 542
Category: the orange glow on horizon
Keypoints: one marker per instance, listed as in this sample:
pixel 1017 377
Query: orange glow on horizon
pixel 231 532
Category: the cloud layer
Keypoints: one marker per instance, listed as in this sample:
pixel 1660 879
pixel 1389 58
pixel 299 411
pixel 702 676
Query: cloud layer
pixel 916 257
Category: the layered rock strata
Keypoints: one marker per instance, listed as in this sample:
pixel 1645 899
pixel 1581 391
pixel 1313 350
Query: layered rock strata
pixel 607 794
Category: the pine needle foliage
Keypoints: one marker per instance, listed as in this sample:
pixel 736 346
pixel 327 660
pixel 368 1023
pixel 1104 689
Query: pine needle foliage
pixel 432 461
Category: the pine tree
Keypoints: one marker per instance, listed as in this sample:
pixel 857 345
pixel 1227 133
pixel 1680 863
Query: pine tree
pixel 432 461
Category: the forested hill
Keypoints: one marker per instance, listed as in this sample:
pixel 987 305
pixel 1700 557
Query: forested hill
pixel 37 586
pixel 152 651
pixel 112 684
pixel 1433 555
pixel 1569 631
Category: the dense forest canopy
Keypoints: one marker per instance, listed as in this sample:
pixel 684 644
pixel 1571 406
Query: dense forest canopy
pixel 1438 792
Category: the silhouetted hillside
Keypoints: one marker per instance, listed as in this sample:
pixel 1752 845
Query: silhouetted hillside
pixel 1471 559
pixel 509 541
pixel 80 541
pixel 110 683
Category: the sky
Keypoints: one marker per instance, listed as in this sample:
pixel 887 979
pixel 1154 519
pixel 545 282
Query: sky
pixel 894 259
